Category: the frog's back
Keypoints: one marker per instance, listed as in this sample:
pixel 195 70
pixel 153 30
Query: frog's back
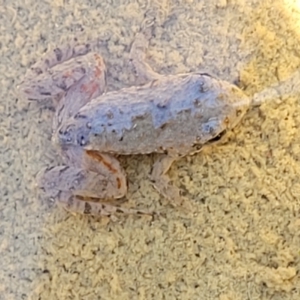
pixel 174 112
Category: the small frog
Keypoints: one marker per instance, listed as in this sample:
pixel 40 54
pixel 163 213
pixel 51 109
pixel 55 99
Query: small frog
pixel 174 115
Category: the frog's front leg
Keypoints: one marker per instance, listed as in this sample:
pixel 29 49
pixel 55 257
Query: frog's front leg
pixel 138 53
pixel 161 180
pixel 90 178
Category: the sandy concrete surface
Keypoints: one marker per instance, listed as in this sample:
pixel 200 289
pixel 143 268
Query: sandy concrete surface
pixel 242 240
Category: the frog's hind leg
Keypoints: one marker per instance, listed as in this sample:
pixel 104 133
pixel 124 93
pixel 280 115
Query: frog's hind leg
pixel 82 186
pixel 91 85
pixel 70 77
pixel 61 68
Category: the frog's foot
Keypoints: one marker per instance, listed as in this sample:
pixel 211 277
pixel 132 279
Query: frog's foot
pixel 162 183
pixel 82 205
pixel 138 52
pixel 61 69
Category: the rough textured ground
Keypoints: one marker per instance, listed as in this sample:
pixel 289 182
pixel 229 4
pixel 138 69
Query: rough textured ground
pixel 243 239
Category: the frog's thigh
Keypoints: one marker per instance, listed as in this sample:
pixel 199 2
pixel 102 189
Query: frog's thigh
pixel 161 180
pixel 108 167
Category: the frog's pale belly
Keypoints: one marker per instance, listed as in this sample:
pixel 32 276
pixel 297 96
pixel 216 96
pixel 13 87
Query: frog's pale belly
pixel 171 113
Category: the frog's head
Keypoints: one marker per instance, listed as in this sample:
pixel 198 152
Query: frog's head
pixel 224 112
pixel 225 103
pixel 232 105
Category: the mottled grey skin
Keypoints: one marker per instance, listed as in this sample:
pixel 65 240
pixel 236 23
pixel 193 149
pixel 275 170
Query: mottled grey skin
pixel 174 115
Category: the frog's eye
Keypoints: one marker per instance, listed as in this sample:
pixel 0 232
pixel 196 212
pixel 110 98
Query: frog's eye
pixel 218 137
pixel 238 112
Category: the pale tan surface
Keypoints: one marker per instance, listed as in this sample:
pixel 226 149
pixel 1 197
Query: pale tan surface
pixel 242 241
